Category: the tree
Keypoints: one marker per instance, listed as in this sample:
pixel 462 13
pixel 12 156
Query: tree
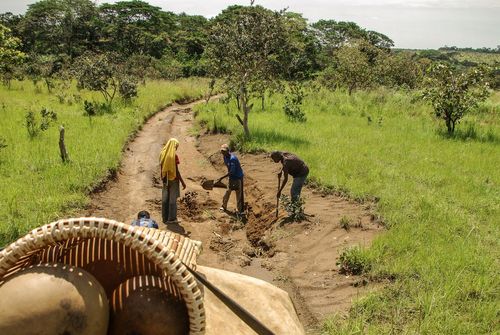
pixel 453 94
pixel 104 73
pixel 333 35
pixel 98 72
pixel 351 69
pixel 247 48
pixel 10 56
pixel 46 68
pixel 60 27
pixel 398 70
pixel 136 27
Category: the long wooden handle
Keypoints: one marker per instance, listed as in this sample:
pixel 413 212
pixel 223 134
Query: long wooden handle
pixel 278 199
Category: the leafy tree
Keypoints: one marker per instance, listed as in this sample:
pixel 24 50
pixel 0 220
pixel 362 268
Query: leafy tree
pixel 136 27
pixel 398 70
pixel 60 26
pixel 293 103
pixel 247 48
pixel 46 68
pixel 351 69
pixel 105 74
pixel 189 42
pixel 98 72
pixel 453 94
pixel 333 35
pixel 10 56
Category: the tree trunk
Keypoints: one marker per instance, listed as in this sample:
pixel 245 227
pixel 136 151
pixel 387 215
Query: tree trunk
pixel 450 126
pixel 245 109
pixel 62 146
pixel 262 97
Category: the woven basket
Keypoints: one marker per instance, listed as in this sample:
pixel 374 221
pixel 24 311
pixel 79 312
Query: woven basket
pixel 85 242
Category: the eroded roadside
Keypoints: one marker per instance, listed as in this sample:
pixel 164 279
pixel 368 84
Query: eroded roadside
pixel 298 257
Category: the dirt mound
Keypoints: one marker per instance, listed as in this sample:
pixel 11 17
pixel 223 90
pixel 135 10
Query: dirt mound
pixel 298 257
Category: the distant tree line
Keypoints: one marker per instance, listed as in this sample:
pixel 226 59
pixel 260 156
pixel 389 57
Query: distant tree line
pixel 481 50
pixel 250 51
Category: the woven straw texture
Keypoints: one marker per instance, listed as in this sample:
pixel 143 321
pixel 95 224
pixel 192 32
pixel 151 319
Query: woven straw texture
pixel 101 246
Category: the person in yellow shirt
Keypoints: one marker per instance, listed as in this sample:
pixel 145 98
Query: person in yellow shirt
pixel 171 176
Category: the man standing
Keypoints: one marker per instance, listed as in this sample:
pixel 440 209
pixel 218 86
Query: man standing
pixel 294 166
pixel 235 174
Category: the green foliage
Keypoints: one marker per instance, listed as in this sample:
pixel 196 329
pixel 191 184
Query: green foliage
pixel 32 176
pixel 353 261
pixel 398 70
pixel 10 55
pixel 453 95
pixel 295 209
pixel 136 27
pixel 333 35
pixel 293 103
pixel 60 27
pixel 34 125
pixel 128 89
pixel 351 69
pixel 247 48
pixel 345 222
pixel 98 73
pixel 439 197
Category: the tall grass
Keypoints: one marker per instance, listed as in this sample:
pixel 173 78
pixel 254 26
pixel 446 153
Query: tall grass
pixel 439 197
pixel 35 186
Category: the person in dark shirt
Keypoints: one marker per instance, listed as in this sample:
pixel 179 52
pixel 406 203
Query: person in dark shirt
pixel 144 220
pixel 235 174
pixel 294 166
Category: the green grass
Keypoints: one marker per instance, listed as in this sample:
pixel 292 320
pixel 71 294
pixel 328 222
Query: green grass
pixel 439 197
pixel 36 186
pixel 477 57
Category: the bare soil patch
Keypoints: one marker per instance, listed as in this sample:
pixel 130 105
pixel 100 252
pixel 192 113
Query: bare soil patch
pixel 298 257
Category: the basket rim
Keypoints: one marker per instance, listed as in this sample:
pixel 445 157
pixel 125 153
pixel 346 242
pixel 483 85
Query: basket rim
pixel 137 238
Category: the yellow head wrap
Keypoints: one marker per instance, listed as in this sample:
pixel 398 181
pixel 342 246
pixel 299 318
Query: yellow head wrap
pixel 167 159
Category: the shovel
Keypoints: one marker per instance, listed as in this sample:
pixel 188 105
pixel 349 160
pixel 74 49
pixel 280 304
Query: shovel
pixel 210 184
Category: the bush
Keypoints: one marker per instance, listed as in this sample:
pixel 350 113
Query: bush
pixel 293 103
pixel 34 125
pixel 295 209
pixel 345 223
pixel 353 261
pixel 128 89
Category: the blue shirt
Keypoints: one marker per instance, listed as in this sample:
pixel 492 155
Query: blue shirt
pixel 233 167
pixel 143 222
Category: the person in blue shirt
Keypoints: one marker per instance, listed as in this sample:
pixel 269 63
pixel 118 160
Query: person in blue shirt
pixel 144 220
pixel 235 174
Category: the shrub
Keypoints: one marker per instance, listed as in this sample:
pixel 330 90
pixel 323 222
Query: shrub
pixel 345 222
pixel 293 103
pixel 128 89
pixel 353 261
pixel 34 125
pixel 295 209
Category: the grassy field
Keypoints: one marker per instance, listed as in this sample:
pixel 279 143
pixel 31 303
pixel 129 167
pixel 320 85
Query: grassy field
pixel 477 57
pixel 36 186
pixel 439 197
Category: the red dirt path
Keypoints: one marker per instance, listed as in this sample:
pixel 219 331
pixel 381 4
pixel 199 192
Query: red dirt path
pixel 298 257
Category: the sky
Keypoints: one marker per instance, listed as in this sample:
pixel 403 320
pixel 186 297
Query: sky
pixel 414 24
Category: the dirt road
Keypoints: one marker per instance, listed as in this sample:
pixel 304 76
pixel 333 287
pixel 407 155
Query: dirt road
pixel 298 257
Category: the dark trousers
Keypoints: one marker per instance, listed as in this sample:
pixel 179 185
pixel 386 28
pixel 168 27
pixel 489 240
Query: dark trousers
pixel 237 186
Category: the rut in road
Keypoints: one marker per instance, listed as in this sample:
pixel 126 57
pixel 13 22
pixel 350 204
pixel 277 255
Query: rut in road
pixel 298 257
